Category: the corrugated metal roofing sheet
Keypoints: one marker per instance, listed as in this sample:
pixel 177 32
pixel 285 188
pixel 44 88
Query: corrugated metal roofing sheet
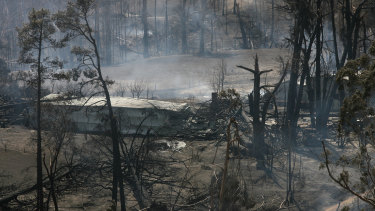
pixel 120 102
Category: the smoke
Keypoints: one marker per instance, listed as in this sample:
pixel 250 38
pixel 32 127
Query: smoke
pixel 183 76
pixel 119 32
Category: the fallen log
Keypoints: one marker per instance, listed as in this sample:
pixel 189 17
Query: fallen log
pixel 14 196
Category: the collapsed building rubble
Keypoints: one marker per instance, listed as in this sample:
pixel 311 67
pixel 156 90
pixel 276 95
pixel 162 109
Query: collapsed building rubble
pixel 143 116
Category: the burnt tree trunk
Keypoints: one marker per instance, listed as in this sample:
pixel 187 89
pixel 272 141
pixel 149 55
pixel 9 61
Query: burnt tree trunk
pixel 292 89
pixel 108 35
pixel 272 23
pixel 245 43
pixel 318 99
pixel 117 173
pixel 39 171
pixel 310 95
pixel 223 8
pixel 350 47
pixel 259 147
pixel 183 28
pixel 212 34
pixel 166 27
pixel 145 30
pixel 258 135
pixel 156 30
pixel 201 37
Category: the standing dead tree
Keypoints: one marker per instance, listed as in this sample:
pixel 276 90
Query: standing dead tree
pixel 137 88
pixel 120 90
pixel 302 19
pixel 254 105
pixel 145 30
pixel 218 76
pixel 166 28
pixel 259 116
pixel 184 18
pixel 351 26
pixel 245 42
pixel 202 15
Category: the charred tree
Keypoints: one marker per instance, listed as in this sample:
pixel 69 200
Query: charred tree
pixel 166 28
pixel 318 61
pixel 235 6
pixel 74 21
pixel 145 30
pixel 108 33
pixel 156 30
pixel 245 42
pixel 202 27
pixel 307 50
pixel 259 146
pixel 223 7
pixel 301 21
pixel 272 23
pixel 351 37
pixel 183 28
pixel 34 37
